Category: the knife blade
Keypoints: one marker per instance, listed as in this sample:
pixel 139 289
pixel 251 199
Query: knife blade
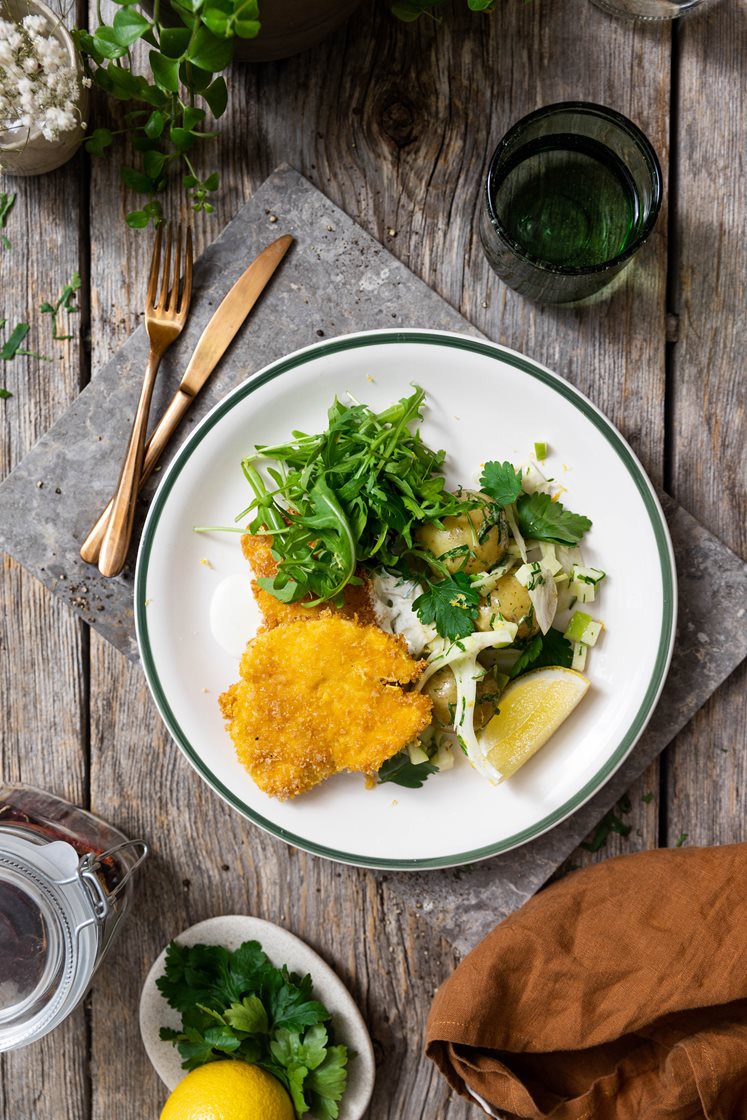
pixel 212 345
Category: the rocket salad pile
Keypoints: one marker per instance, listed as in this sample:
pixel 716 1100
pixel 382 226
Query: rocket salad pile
pixel 484 583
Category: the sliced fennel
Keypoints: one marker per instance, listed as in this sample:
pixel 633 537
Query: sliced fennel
pixel 449 652
pixel 542 590
pixel 515 532
pixel 462 659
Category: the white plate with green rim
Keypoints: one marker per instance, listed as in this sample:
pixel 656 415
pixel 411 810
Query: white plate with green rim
pixel 483 402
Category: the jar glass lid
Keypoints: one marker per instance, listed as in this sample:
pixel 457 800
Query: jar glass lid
pixel 48 937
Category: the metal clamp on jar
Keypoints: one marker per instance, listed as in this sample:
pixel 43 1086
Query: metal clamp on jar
pixel 65 885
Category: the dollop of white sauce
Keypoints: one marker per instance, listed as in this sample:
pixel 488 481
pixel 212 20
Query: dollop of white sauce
pixel 392 598
pixel 234 614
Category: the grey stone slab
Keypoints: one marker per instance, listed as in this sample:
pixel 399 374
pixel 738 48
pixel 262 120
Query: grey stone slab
pixel 336 279
pixel 466 903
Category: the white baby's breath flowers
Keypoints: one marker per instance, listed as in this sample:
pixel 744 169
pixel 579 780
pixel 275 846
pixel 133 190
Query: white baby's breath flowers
pixel 39 89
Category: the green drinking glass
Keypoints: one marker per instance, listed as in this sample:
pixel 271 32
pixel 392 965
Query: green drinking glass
pixel 572 192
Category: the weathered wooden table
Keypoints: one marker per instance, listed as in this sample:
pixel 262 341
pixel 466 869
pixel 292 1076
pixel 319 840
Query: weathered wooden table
pixel 395 123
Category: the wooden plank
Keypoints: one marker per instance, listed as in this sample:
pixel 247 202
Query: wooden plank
pixel 707 771
pixel 43 720
pixel 395 124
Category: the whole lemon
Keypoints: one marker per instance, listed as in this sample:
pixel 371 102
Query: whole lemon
pixel 228 1090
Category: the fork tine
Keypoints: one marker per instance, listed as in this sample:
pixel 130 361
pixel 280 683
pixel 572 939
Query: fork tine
pixel 187 288
pixel 155 263
pixel 163 297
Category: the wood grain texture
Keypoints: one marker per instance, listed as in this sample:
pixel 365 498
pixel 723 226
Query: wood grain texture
pixel 396 125
pixel 706 765
pixel 43 716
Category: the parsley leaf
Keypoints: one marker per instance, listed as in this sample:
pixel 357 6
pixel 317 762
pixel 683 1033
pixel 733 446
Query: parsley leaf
pixel 402 772
pixel 542 519
pixel 238 1005
pixel 543 650
pixel 327 1083
pixel 451 605
pixel 501 482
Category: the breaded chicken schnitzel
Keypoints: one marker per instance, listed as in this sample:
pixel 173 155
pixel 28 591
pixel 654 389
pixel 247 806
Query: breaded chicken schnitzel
pixel 258 551
pixel 319 697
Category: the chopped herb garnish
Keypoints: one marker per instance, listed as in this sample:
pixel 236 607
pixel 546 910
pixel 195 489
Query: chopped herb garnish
pixel 238 1005
pixel 451 605
pixel 542 519
pixel 543 650
pixel 64 303
pixel 683 836
pixel 403 772
pixel 647 798
pixel 502 482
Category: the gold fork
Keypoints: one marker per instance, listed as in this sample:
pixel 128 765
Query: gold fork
pixel 165 316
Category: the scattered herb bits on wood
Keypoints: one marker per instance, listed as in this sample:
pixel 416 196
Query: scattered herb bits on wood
pixel 63 303
pixel 239 1005
pixel 6 205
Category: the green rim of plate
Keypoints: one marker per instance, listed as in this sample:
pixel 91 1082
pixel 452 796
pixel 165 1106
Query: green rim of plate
pixel 552 381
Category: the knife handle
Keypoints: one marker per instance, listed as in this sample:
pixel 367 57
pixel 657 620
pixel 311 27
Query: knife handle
pixel 154 448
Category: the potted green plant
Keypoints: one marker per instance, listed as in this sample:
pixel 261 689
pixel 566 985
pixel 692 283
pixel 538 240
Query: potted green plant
pixel 190 43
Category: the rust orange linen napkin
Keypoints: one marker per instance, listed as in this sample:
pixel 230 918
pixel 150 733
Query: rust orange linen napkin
pixel 619 993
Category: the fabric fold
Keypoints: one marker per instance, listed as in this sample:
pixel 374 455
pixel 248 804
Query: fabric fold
pixel 618 993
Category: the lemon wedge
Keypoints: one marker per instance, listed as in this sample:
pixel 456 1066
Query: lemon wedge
pixel 530 711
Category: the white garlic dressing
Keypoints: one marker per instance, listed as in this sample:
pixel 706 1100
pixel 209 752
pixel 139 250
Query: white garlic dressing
pixel 234 614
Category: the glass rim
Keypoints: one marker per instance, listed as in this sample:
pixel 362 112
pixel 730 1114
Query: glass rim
pixel 592 109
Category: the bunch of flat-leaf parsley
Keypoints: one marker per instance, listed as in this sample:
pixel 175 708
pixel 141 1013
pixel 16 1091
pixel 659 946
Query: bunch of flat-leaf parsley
pixel 238 1005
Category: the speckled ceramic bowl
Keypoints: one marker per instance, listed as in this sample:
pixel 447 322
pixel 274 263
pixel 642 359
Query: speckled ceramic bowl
pixel 281 947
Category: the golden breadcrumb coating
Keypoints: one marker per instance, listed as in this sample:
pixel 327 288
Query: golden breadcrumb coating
pixel 319 697
pixel 258 551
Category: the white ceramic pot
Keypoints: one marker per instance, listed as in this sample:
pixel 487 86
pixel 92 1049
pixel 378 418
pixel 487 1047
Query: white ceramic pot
pixel 25 151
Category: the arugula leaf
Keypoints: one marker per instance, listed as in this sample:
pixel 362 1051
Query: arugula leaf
pixel 542 519
pixel 451 605
pixel 353 493
pixel 402 772
pixel 502 482
pixel 544 649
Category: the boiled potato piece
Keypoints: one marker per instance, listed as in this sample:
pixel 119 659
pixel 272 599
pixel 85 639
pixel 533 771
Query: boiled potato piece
pixel 442 690
pixel 487 543
pixel 511 601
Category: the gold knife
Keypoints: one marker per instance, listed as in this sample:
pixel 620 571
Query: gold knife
pixel 213 343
